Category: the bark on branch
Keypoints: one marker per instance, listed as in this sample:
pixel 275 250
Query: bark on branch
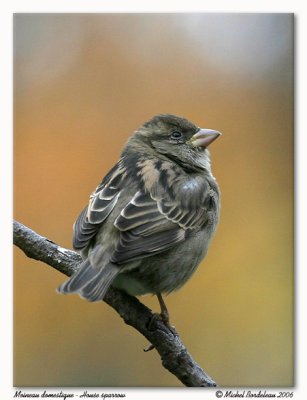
pixel 174 354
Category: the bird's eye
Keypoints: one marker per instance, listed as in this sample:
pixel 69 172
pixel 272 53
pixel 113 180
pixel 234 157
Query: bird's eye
pixel 176 135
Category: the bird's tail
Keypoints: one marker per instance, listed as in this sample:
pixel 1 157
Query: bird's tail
pixel 89 282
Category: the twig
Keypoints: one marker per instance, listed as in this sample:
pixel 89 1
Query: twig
pixel 174 354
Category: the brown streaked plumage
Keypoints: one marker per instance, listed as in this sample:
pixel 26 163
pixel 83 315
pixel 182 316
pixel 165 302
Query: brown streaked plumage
pixel 149 222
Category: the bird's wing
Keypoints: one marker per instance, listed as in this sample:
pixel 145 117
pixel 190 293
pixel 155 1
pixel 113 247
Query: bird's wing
pixel 101 203
pixel 154 220
pixel 149 226
pixel 144 230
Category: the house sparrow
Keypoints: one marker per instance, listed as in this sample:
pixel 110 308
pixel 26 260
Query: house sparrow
pixel 149 223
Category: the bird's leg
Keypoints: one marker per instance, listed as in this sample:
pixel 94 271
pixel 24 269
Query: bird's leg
pixel 164 311
pixel 164 316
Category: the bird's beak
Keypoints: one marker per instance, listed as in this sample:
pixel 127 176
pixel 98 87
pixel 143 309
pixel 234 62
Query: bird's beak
pixel 204 137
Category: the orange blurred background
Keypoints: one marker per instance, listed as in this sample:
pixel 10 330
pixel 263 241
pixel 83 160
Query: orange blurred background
pixel 82 84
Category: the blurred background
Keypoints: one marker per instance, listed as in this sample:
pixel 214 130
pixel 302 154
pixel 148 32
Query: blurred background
pixel 82 84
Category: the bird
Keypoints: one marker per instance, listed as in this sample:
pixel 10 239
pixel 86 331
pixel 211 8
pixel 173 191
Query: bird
pixel 148 224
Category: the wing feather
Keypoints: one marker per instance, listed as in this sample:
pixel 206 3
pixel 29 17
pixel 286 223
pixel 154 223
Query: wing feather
pixel 144 230
pixel 101 204
pixel 132 247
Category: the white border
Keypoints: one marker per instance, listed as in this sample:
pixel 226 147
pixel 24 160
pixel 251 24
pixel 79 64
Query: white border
pixel 6 298
pixel 154 6
pixel 85 6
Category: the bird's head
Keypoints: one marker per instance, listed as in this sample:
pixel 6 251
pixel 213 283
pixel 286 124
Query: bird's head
pixel 177 139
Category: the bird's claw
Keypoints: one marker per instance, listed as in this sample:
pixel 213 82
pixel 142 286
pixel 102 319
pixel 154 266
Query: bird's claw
pixel 153 320
pixel 149 348
pixel 163 318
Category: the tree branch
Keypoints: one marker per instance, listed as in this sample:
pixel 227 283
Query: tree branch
pixel 174 354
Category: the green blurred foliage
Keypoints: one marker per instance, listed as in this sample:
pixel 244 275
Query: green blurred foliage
pixel 83 84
